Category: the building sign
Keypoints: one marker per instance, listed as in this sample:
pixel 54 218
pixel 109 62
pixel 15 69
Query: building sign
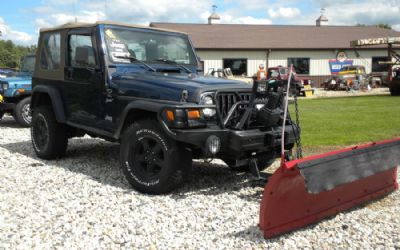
pixel 336 65
pixel 341 56
pixel 375 41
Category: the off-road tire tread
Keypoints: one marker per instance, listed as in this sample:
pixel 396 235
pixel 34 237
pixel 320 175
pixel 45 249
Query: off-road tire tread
pixel 182 166
pixel 58 138
pixel 18 112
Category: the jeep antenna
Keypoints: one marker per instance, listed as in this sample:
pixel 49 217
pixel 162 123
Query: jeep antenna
pixel 105 8
pixel 74 10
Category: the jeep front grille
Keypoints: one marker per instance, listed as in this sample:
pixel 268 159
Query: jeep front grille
pixel 225 101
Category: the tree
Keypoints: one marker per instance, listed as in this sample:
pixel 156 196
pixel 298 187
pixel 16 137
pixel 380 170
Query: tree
pixel 379 25
pixel 11 54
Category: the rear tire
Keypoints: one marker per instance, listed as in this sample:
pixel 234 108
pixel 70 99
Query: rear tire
pixel 49 138
pixel 22 112
pixel 151 161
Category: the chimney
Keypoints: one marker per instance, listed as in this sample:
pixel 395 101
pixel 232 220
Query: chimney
pixel 322 20
pixel 214 18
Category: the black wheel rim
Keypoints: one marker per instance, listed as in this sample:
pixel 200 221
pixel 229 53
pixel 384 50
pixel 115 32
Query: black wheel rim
pixel 40 133
pixel 148 157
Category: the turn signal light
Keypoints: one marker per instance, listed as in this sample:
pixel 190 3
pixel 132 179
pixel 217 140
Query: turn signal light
pixel 170 115
pixel 194 114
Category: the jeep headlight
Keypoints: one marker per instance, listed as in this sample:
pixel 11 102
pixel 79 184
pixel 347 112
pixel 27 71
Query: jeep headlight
pixel 207 100
pixel 4 86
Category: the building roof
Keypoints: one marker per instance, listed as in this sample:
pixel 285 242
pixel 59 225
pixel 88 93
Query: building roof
pixel 255 37
pixel 87 25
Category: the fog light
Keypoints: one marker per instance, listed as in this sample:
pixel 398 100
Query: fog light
pixel 213 144
pixel 259 106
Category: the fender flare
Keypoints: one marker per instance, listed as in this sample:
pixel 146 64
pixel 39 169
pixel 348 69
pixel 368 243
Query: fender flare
pixel 56 101
pixel 140 105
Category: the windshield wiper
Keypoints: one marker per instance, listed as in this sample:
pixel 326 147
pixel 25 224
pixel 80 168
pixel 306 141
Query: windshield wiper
pixel 175 63
pixel 133 59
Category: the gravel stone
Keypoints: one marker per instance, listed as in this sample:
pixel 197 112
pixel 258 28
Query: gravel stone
pixel 83 201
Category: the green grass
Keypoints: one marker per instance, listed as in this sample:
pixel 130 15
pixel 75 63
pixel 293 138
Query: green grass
pixel 332 122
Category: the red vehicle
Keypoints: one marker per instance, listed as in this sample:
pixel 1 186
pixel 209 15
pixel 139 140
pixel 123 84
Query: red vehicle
pixel 301 83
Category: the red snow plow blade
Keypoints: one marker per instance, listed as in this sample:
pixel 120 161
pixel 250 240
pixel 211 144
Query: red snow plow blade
pixel 303 192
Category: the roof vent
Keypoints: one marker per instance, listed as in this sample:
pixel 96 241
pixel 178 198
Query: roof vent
pixel 322 20
pixel 214 18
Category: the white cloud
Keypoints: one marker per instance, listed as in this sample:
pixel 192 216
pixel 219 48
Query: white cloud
pixel 284 12
pixel 61 18
pixel 19 37
pixel 229 18
pixel 145 11
pixel 244 20
pixel 367 12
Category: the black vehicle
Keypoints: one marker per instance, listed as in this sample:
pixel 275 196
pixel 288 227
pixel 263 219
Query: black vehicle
pixel 139 86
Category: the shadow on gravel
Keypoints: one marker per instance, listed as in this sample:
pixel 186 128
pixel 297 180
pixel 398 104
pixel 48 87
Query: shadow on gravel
pixel 9 122
pixel 99 160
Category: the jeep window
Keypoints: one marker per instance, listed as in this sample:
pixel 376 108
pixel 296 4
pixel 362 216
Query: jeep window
pixel 80 51
pixel 51 49
pixel 284 71
pixel 300 64
pixel 147 46
pixel 376 67
pixel 28 64
pixel 273 73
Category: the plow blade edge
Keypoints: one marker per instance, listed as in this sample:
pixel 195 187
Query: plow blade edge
pixel 303 192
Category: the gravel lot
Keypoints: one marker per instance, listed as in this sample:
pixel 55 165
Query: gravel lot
pixel 83 201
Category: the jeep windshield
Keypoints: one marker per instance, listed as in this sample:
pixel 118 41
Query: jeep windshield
pixel 28 64
pixel 123 44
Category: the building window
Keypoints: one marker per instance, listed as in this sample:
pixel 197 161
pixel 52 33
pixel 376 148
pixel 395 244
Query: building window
pixel 50 55
pixel 376 67
pixel 300 64
pixel 237 66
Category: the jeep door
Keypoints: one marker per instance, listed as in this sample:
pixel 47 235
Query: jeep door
pixel 84 79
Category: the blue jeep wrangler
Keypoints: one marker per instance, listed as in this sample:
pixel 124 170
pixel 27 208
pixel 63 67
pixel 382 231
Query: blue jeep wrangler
pixel 140 86
pixel 15 92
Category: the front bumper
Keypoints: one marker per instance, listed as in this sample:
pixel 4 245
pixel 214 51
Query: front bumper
pixel 4 106
pixel 238 144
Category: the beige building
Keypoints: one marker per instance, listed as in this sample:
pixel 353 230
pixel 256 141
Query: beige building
pixel 309 48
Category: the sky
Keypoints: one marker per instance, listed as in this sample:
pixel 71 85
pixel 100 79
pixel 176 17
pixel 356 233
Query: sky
pixel 20 20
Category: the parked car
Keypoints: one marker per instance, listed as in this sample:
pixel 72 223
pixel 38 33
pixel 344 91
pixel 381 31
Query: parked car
pixel 300 84
pixel 4 72
pixel 349 78
pixel 138 86
pixel 15 92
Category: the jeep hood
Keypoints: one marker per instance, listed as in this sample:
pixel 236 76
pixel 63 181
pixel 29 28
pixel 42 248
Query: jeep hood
pixel 18 81
pixel 164 86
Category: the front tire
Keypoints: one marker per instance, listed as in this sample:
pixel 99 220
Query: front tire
pixel 152 162
pixel 49 138
pixel 22 113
